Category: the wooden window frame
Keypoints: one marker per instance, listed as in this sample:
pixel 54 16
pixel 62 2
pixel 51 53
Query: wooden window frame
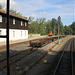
pixel 14 21
pixel 21 23
pixel 25 24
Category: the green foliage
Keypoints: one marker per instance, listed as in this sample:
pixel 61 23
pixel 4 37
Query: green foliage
pixel 12 11
pixel 42 29
pixel 34 27
pixel 1 7
pixel 37 26
pixel 19 14
pixel 25 17
pixel 73 27
pixel 54 25
pixel 47 26
pixel 40 26
pixel 68 30
pixel 30 19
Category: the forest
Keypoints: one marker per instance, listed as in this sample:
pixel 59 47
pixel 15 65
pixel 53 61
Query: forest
pixel 43 27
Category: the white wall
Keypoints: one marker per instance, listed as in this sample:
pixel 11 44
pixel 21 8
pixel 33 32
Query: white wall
pixel 3 32
pixel 14 34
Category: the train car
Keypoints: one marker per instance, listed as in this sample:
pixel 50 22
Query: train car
pixel 50 33
pixel 36 43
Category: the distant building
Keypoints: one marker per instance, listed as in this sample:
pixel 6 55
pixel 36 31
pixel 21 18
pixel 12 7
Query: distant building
pixel 18 28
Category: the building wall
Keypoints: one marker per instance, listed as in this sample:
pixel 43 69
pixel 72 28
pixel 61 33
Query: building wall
pixel 14 34
pixel 17 24
pixel 17 31
pixel 33 35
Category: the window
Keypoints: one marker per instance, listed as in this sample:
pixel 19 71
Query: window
pixel 21 23
pixel 21 33
pixel 14 21
pixel 0 32
pixel 0 18
pixel 6 20
pixel 25 24
pixel 13 33
pixel 25 33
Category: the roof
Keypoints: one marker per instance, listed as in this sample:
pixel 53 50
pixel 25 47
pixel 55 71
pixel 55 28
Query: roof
pixel 3 11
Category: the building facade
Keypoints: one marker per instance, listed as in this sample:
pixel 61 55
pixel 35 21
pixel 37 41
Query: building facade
pixel 18 28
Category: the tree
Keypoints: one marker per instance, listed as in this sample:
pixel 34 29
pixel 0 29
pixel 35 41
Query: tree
pixel 61 28
pixel 30 19
pixel 25 17
pixel 48 26
pixel 12 11
pixel 41 22
pixel 34 27
pixel 42 29
pixel 1 7
pixel 54 26
pixel 40 26
pixel 68 30
pixel 73 27
pixel 19 14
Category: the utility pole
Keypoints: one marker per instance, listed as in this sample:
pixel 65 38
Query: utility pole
pixel 59 19
pixel 8 62
pixel 54 29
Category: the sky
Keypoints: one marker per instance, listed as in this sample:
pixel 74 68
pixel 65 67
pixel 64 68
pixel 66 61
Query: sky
pixel 45 9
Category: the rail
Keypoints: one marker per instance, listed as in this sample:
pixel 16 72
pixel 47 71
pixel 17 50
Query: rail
pixel 69 43
pixel 71 48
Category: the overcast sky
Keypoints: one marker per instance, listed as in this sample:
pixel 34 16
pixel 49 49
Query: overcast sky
pixel 45 9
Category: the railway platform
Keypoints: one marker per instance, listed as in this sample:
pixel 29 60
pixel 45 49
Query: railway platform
pixel 16 44
pixel 21 40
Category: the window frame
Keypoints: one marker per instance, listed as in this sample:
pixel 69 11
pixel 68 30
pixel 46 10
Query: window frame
pixel 13 33
pixel 25 33
pixel 21 23
pixel 0 32
pixel 14 21
pixel 25 24
pixel 21 33
pixel 0 18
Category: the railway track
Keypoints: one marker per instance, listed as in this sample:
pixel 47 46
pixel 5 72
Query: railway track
pixel 15 57
pixel 44 69
pixel 65 63
pixel 23 61
pixel 74 55
pixel 27 63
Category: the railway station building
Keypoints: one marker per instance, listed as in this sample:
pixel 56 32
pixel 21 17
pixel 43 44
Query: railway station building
pixel 18 28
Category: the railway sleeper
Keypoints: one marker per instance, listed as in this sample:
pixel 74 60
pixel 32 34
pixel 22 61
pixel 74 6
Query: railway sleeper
pixel 26 67
pixel 36 60
pixel 15 59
